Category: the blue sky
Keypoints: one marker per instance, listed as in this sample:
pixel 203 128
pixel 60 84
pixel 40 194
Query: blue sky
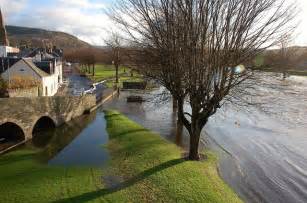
pixel 86 18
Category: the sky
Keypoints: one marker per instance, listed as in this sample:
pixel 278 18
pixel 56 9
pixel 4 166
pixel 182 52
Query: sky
pixel 87 20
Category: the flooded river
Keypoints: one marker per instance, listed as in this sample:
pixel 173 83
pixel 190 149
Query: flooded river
pixel 263 148
pixel 268 144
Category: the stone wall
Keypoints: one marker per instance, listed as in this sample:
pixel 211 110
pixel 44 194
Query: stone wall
pixel 25 112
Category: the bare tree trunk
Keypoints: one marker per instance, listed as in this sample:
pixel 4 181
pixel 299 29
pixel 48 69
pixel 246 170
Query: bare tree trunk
pixel 284 75
pixel 116 69
pixel 93 69
pixel 194 141
pixel 175 104
pixel 179 130
pixel 180 110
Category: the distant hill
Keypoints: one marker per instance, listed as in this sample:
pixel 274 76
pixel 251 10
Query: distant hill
pixel 21 36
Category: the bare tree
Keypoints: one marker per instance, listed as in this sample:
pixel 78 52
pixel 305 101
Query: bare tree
pixel 115 44
pixel 87 57
pixel 195 48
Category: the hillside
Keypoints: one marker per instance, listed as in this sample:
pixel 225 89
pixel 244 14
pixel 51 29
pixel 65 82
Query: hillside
pixel 38 37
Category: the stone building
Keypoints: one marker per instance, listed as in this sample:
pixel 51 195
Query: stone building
pixel 46 74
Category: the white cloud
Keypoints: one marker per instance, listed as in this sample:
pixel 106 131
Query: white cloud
pixel 82 18
pixel 11 7
pixel 85 4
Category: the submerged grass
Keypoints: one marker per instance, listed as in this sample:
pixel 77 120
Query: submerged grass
pixel 144 168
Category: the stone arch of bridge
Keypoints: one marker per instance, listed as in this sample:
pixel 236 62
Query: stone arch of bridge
pixel 11 132
pixel 42 123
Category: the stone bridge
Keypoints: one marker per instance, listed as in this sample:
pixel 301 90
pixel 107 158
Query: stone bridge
pixel 23 116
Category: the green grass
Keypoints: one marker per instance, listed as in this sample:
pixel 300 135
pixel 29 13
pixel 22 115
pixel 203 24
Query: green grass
pixel 154 171
pixel 23 179
pixel 148 169
pixel 104 72
pixel 107 72
pixel 259 60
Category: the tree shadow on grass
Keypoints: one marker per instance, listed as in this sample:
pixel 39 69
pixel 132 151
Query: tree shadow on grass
pixel 106 191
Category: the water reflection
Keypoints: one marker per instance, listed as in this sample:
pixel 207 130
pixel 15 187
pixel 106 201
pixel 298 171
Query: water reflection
pixel 79 142
pixel 41 140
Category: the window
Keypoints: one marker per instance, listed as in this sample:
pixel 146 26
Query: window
pixel 46 91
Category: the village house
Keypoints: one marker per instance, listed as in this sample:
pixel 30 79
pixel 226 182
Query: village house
pixel 47 80
pixel 30 73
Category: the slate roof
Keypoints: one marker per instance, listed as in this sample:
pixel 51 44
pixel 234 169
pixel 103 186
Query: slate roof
pixel 6 62
pixel 38 71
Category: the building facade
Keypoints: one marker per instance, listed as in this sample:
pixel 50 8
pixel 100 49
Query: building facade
pixel 27 72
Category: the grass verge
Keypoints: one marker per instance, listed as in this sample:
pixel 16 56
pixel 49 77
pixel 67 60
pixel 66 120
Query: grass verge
pixel 152 169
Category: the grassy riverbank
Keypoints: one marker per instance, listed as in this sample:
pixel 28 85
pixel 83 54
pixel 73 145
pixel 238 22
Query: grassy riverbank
pixel 143 168
pixel 107 72
pixel 152 169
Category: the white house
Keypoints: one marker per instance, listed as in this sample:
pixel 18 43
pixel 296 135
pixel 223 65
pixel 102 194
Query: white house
pixel 6 50
pixel 26 68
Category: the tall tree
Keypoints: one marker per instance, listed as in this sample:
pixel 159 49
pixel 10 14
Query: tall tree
pixel 115 45
pixel 195 47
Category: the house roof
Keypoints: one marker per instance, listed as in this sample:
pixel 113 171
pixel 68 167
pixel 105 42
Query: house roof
pixel 48 56
pixel 6 62
pixel 38 71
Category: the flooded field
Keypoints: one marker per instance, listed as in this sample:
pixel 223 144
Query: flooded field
pixel 263 148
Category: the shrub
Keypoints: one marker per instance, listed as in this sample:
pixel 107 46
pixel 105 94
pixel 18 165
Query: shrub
pixel 3 88
pixel 19 82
